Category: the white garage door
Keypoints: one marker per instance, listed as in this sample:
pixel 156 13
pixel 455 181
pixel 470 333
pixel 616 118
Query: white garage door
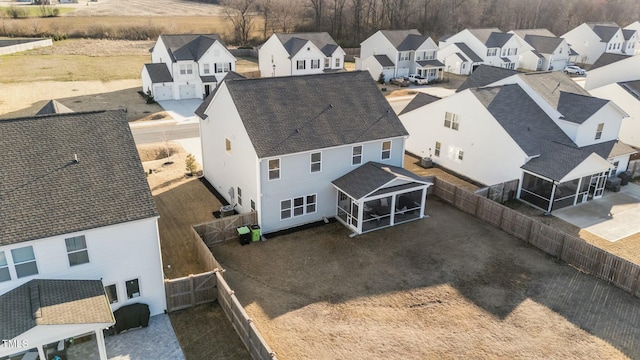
pixel 403 72
pixel 187 91
pixel 161 92
pixel 557 65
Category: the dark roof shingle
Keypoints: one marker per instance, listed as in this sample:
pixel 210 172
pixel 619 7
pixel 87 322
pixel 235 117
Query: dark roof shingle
pixel 293 42
pixel 420 100
pixel 189 46
pixel 543 44
pixel 484 75
pixel 44 192
pixel 370 177
pixel 158 73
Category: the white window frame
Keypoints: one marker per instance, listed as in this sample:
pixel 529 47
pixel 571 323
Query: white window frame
pixel 430 55
pixel 223 67
pixel 460 155
pixel 385 152
pixel 338 62
pixel 301 65
pixel 77 251
pixel 404 56
pixel 492 51
pixel 227 145
pixel 239 190
pixel 284 208
pixel 451 120
pixel 315 63
pixel 112 301
pixel 437 149
pixel 277 169
pixel 327 63
pixel 16 264
pixel 298 206
pixel 4 264
pixel 253 205
pixel 205 68
pixel 512 51
pixel 599 130
pixel 133 295
pixel 355 156
pixel 317 163
pixel 186 69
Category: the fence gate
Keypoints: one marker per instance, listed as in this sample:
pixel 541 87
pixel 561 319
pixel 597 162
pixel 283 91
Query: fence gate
pixel 192 290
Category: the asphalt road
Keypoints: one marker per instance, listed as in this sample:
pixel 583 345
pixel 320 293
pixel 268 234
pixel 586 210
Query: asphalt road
pixel 158 133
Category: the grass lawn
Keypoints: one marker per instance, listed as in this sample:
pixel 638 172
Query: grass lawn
pixel 32 11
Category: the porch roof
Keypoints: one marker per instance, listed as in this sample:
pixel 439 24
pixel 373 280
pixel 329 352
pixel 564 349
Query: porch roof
pixel 430 64
pixel 371 177
pixel 384 60
pixel 560 160
pixel 53 302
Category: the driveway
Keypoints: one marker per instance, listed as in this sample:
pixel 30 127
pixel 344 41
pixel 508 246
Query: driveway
pixel 613 217
pixel 181 110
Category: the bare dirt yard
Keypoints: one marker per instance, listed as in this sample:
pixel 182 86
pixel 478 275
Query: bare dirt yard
pixel 448 286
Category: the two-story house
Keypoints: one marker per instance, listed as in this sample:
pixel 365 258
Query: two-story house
pixel 187 66
pixel 548 52
pixel 300 149
pixel 78 229
pixel 495 47
pixel 400 53
pixel 592 39
pixel 458 58
pixel 635 26
pixel 300 54
pixel 540 128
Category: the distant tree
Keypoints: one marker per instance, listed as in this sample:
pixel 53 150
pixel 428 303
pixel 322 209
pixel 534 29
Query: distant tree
pixel 241 13
pixel 381 78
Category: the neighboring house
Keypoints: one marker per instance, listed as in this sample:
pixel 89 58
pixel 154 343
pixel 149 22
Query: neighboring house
pixel 76 206
pixel 301 149
pixel 485 75
pixel 615 68
pixel 400 53
pixel 458 58
pixel 634 26
pixel 186 66
pixel 53 107
pixel 590 40
pixel 540 128
pixel 299 54
pixel 548 52
pixel 626 95
pixel 492 45
pixel 607 59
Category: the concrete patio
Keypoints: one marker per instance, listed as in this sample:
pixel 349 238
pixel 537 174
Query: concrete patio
pixel 613 217
pixel 157 341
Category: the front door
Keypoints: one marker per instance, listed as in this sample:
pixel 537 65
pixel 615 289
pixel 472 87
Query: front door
pixel 598 181
pixel 207 90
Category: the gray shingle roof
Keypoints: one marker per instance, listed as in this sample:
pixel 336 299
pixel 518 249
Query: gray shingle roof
pixel 628 33
pixel 577 108
pixel 189 46
pixel 468 52
pixel 484 75
pixel 497 39
pixel 53 302
pixel 556 161
pixel 543 44
pixel 53 107
pixel 605 33
pixel 44 193
pixel 420 100
pixel 397 37
pixel 384 60
pixel 370 177
pixel 430 63
pixel 632 87
pixel 608 58
pixel 529 126
pixel 285 115
pixel 611 149
pixel 200 111
pixel 412 42
pixel 537 32
pixel 295 41
pixel 462 57
pixel 550 84
pixel 484 34
pixel 158 73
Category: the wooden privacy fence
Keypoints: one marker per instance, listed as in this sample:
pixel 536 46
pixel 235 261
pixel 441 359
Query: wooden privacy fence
pixel 189 291
pixel 224 229
pixel 574 251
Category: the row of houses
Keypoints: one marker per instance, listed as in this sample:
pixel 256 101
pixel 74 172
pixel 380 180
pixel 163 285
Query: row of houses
pixel 190 66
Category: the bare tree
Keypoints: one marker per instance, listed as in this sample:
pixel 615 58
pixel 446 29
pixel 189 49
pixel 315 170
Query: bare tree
pixel 241 13
pixel 265 7
pixel 318 12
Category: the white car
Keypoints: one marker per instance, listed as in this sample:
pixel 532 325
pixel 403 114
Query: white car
pixel 576 70
pixel 417 79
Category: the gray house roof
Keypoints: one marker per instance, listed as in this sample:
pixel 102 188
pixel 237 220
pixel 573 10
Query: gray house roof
pixel 470 54
pixel 529 126
pixel 370 177
pixel 536 32
pixel 430 64
pixel 605 33
pixel 484 75
pixel 189 46
pixel 497 39
pixel 295 41
pixel 44 192
pixel 53 107
pixel 608 58
pixel 557 161
pixel 628 33
pixel 484 34
pixel 159 73
pixel 420 100
pixel 577 108
pixel 384 60
pixel 404 40
pixel 632 87
pixel 53 302
pixel 543 44
pixel 285 115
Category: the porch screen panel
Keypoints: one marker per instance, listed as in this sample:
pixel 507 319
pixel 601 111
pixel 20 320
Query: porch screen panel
pixel 565 194
pixel 536 191
pixel 408 206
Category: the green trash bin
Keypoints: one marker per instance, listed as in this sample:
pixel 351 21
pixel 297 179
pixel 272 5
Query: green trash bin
pixel 244 234
pixel 255 232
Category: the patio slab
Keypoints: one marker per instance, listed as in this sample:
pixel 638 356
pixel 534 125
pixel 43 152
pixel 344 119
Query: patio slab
pixel 157 341
pixel 613 217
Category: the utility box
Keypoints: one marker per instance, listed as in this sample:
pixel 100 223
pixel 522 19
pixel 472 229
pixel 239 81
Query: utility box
pixel 226 210
pixel 426 162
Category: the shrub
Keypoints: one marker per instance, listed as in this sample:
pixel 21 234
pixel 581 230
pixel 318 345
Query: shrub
pixel 17 12
pixel 190 164
pixel 381 79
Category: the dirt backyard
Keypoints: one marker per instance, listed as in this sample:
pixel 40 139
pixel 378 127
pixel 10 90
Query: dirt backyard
pixel 448 286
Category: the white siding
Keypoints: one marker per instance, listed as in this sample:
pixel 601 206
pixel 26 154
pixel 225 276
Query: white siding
pixel 490 154
pixel 117 253
pixel 608 115
pixel 586 43
pixel 307 53
pixel 377 44
pixel 297 180
pixel 630 127
pixel 619 71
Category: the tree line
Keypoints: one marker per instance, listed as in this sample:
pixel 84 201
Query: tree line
pixel 352 21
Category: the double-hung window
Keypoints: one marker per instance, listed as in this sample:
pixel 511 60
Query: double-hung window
pixel 77 250
pixel 316 162
pixel 451 121
pixel 205 68
pixel 112 293
pixel 300 64
pixel 386 150
pixel 4 268
pixel 274 169
pixel 239 196
pixel 599 131
pixel 460 154
pixel 356 155
pixel 222 67
pixel 437 149
pixel 492 51
pixel 315 63
pixel 337 62
pixel 25 261
pixel 186 69
pixel 298 206
pixel 327 63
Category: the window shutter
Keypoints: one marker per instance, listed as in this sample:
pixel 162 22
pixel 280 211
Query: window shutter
pixel 229 66
pixel 215 68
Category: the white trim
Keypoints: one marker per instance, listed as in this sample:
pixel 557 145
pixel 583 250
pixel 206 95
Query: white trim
pixel 117 295
pixel 353 156
pixel 126 291
pixel 279 169
pixel 333 147
pixel 382 150
pixel 311 162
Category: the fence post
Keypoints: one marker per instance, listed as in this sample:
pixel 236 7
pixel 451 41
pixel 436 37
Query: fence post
pixel 192 288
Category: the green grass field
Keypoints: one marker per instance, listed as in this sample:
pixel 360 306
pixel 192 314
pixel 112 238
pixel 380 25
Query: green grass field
pixel 31 11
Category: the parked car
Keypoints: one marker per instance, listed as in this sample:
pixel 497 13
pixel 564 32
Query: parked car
pixel 417 79
pixel 575 70
pixel 400 81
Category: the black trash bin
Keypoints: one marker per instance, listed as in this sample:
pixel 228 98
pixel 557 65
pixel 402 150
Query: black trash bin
pixel 625 177
pixel 244 235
